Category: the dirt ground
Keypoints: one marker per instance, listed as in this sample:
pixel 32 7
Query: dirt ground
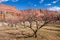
pixel 48 32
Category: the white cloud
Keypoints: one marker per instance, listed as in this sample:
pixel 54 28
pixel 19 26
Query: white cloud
pixel 55 1
pixel 15 0
pixel 41 1
pixel 55 8
pixel 35 5
pixel 48 4
pixel 8 0
pixel 3 1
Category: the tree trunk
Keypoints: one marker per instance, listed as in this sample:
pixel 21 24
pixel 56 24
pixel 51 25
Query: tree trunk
pixel 11 25
pixel 30 24
pixel 15 25
pixel 35 34
pixel 8 24
pixel 24 24
pixel 36 25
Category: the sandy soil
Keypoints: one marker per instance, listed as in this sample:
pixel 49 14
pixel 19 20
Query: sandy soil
pixel 45 33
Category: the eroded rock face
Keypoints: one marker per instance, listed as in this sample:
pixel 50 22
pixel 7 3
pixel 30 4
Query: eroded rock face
pixel 10 12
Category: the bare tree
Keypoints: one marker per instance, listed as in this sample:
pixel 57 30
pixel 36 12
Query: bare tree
pixel 12 22
pixel 43 20
pixel 58 17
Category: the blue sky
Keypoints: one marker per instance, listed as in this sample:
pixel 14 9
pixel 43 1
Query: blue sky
pixel 34 4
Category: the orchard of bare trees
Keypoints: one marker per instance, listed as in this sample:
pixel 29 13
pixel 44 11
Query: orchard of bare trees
pixel 40 21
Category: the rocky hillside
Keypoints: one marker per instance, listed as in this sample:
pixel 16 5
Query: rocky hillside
pixel 9 12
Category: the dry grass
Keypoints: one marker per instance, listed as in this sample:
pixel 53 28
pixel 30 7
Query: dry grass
pixel 12 33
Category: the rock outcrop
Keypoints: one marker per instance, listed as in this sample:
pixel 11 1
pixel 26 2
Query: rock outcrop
pixel 10 12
